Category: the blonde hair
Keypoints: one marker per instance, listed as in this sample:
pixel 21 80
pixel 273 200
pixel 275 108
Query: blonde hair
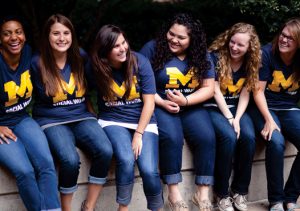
pixel 252 59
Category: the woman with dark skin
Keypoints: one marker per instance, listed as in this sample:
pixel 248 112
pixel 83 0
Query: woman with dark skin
pixel 24 149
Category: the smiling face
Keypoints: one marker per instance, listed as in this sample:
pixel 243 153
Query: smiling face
pixel 118 53
pixel 178 39
pixel 286 42
pixel 238 46
pixel 12 38
pixel 60 38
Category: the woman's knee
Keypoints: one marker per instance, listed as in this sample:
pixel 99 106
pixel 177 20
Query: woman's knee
pixel 277 142
pixel 171 141
pixel 23 173
pixel 103 152
pixel 70 161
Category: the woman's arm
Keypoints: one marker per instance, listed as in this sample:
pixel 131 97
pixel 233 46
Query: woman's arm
pixel 167 104
pixel 204 93
pixel 222 105
pixel 145 117
pixel 241 108
pixel 261 102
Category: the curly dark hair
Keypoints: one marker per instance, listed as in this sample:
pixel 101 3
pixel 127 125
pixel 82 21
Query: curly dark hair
pixel 196 53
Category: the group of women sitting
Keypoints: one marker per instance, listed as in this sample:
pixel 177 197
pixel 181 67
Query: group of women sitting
pixel 174 89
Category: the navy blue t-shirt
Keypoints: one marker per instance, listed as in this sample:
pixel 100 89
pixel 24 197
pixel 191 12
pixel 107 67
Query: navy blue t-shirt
pixel 15 89
pixel 175 74
pixel 67 106
pixel 281 92
pixel 128 110
pixel 232 88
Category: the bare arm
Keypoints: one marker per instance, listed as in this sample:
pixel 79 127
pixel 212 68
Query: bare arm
pixel 241 108
pixel 204 93
pixel 167 104
pixel 260 100
pixel 222 105
pixel 145 117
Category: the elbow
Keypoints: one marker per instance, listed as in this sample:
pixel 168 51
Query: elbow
pixel 211 93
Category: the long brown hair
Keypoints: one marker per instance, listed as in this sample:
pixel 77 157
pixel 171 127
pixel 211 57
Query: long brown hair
pixel 103 44
pixel 293 25
pixel 50 73
pixel 252 59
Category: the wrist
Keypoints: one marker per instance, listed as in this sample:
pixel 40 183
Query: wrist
pixel 138 132
pixel 229 118
pixel 186 101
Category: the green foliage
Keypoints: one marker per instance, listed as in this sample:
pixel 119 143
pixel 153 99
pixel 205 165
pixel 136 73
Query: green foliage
pixel 141 19
pixel 268 14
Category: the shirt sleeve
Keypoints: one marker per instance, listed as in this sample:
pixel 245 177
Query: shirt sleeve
pixel 265 70
pixel 210 72
pixel 148 50
pixel 145 75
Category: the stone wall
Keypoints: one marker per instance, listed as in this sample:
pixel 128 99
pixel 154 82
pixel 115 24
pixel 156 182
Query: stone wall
pixel 10 200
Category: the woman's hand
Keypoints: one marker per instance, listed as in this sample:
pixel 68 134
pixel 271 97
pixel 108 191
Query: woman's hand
pixel 177 97
pixel 236 126
pixel 137 144
pixel 268 129
pixel 5 134
pixel 170 106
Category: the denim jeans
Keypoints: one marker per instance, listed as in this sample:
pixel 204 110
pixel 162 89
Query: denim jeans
pixel 195 126
pixel 30 161
pixel 147 163
pixel 289 123
pixel 88 136
pixel 230 149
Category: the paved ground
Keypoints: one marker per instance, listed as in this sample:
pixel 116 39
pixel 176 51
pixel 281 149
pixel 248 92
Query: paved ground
pixel 258 206
pixel 252 206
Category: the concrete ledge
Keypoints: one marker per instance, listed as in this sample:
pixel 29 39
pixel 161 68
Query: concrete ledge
pixel 10 200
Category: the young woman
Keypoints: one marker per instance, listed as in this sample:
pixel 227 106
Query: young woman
pixel 61 110
pixel 236 54
pixel 184 79
pixel 23 146
pixel 126 91
pixel 277 99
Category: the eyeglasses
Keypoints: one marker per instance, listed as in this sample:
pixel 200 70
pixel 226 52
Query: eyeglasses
pixel 288 38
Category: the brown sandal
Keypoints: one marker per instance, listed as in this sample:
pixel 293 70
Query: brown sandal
pixel 204 205
pixel 178 205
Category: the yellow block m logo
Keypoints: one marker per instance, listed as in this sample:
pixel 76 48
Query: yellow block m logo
pixel 69 88
pixel 280 81
pixel 175 75
pixel 233 89
pixel 14 91
pixel 120 90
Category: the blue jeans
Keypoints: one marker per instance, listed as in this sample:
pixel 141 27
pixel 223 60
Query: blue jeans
pixel 230 148
pixel 289 123
pixel 88 136
pixel 29 159
pixel 195 126
pixel 147 162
